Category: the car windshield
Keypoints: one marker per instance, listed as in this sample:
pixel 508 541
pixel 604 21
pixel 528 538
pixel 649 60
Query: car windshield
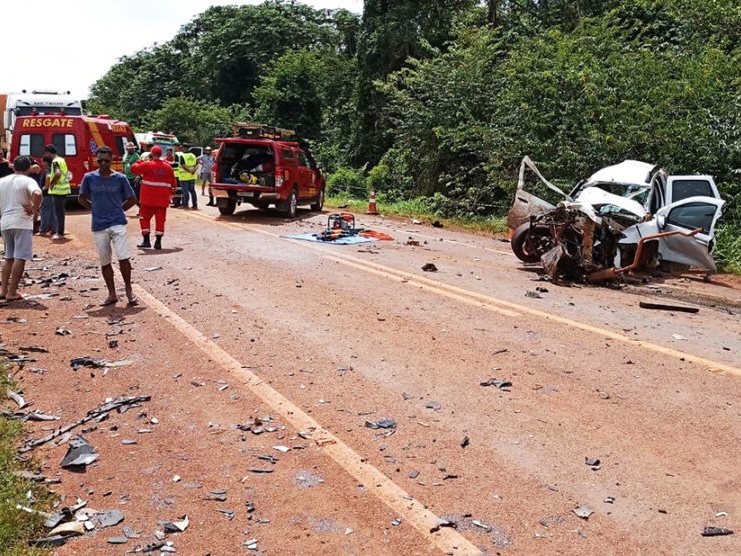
pixel 637 192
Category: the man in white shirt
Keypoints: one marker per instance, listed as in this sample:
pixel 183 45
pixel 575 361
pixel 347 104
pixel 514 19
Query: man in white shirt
pixel 20 198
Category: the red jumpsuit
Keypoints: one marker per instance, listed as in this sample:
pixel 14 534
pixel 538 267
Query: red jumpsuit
pixel 157 187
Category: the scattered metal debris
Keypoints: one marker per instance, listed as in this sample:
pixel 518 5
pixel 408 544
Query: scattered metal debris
pixel 429 267
pixel 501 384
pixel 176 526
pixel 79 453
pixel 381 424
pixel 662 307
pixel 715 532
pixel 17 398
pixel 96 413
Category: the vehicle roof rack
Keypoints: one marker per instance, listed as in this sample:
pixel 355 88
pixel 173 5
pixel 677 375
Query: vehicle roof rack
pixel 261 131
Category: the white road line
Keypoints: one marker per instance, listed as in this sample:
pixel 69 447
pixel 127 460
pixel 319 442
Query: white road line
pixel 446 539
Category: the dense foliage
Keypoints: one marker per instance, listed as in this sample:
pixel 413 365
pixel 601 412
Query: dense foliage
pixel 439 100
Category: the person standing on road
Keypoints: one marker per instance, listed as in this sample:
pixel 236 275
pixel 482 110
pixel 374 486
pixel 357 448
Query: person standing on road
pixel 20 198
pixel 59 186
pixel 206 165
pixel 157 188
pixel 188 163
pixel 129 158
pixel 109 195
pixel 48 216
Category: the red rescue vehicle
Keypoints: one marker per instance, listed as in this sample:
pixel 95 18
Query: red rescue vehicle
pixel 76 138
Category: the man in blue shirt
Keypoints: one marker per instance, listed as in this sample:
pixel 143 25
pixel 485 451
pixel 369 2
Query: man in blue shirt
pixel 109 195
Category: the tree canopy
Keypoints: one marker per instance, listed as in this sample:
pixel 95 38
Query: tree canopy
pixel 441 99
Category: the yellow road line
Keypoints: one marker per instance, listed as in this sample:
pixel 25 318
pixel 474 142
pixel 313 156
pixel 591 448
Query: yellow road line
pixel 443 289
pixel 446 539
pixel 505 307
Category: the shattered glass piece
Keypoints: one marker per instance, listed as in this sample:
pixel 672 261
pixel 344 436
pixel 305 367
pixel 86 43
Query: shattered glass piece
pixel 130 533
pixel 86 361
pixel 501 384
pixel 381 424
pixel 109 518
pixel 582 511
pixel 79 453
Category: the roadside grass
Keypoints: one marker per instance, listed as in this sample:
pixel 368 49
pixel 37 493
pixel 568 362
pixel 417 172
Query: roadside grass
pixel 416 210
pixel 18 526
pixel 727 253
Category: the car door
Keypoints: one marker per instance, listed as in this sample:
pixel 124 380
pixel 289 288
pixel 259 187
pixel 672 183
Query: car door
pixel 685 216
pixel 682 187
pixel 534 195
pixel 307 178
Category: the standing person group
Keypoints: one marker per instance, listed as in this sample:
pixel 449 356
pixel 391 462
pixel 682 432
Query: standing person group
pixel 20 199
pixel 59 187
pixel 158 185
pixel 109 195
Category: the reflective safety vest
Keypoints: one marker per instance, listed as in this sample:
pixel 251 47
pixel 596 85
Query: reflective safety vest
pixel 190 160
pixel 62 187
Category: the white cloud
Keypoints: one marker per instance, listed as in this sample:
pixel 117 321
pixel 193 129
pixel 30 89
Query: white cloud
pixel 69 48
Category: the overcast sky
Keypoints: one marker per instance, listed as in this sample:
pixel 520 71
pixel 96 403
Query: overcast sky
pixel 68 46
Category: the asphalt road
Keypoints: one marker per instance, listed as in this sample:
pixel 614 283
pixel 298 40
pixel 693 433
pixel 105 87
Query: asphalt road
pixel 340 399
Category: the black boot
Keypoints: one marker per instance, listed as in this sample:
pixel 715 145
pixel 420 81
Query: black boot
pixel 145 243
pixel 158 242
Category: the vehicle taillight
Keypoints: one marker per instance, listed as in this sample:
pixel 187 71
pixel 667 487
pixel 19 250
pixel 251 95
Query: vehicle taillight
pixel 86 164
pixel 278 179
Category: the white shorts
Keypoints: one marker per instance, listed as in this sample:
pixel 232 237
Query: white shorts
pixel 18 244
pixel 109 240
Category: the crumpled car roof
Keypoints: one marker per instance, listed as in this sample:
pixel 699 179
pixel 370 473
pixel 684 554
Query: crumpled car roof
pixel 627 171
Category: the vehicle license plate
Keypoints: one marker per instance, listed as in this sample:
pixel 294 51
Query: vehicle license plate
pixel 246 193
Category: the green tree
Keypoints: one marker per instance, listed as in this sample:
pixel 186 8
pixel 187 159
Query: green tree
pixel 392 32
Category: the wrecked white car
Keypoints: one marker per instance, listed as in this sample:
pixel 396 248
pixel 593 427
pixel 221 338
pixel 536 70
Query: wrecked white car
pixel 625 216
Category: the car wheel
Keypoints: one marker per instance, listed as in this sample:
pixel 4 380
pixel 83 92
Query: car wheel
pixel 319 205
pixel 520 244
pixel 290 206
pixel 228 208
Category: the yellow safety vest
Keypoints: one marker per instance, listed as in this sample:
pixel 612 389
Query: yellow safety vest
pixel 62 187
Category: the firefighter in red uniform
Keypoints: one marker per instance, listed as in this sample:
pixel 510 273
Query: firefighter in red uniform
pixel 158 184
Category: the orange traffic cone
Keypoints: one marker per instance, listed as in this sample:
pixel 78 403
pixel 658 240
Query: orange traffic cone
pixel 372 203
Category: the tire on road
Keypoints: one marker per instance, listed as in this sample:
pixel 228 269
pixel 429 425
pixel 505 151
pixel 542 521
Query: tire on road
pixel 519 244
